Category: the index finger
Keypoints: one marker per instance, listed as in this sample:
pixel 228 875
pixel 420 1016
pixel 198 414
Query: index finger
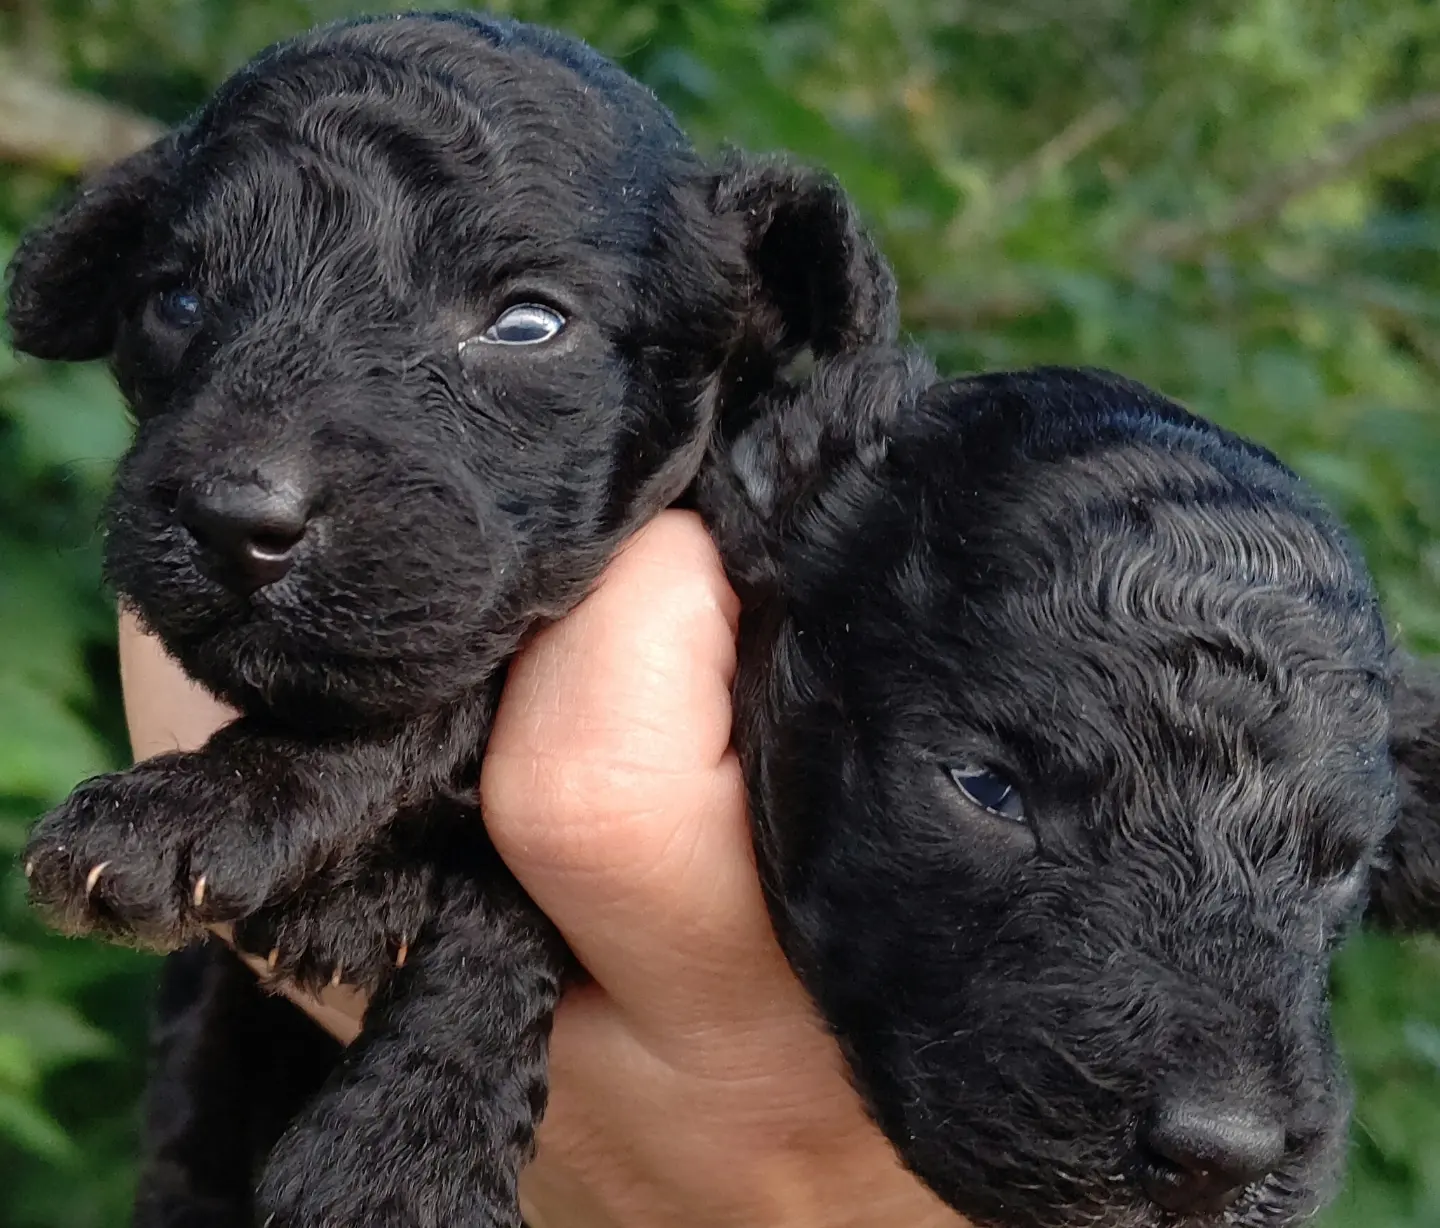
pixel 609 785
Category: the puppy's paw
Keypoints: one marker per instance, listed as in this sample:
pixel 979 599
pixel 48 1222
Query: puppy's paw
pixel 111 857
pixel 358 931
pixel 152 854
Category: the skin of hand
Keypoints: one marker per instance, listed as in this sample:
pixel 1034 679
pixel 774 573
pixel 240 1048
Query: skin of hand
pixel 691 1080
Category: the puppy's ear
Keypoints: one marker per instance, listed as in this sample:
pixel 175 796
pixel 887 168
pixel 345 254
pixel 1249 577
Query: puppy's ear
pixel 71 275
pixel 1405 890
pixel 807 453
pixel 822 283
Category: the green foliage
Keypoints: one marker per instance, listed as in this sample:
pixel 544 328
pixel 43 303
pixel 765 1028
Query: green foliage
pixel 1186 192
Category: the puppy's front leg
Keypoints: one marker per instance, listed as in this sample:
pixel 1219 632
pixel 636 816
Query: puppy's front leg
pixel 231 1067
pixel 433 1111
pixel 183 841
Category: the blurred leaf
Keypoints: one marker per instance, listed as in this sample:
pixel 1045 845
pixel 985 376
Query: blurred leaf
pixel 43 745
pixel 1424 1042
pixel 31 1128
pixel 73 416
pixel 52 1034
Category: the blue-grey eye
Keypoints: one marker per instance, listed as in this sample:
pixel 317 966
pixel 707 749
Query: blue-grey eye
pixel 989 790
pixel 178 308
pixel 524 324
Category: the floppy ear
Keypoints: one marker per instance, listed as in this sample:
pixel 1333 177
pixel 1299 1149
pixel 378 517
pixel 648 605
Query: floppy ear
pixel 806 452
pixel 71 276
pixel 821 282
pixel 1405 891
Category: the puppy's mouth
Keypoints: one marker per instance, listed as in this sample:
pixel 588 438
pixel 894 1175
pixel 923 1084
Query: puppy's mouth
pixel 1106 1174
pixel 1274 1201
pixel 223 619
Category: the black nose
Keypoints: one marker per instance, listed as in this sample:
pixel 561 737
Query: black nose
pixel 250 531
pixel 1200 1157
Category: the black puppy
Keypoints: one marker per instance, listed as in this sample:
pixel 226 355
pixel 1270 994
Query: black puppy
pixel 419 318
pixel 1066 723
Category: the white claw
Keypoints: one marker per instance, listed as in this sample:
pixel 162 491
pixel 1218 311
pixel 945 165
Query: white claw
pixel 197 896
pixel 272 961
pixel 335 977
pixel 402 954
pixel 94 877
pixel 30 868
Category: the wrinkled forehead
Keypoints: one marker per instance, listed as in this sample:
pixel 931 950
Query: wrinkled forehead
pixel 1121 595
pixel 518 164
pixel 1137 534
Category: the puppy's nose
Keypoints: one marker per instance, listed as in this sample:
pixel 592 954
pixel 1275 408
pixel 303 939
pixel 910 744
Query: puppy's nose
pixel 1199 1157
pixel 250 531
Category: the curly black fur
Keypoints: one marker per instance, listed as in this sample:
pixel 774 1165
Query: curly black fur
pixel 346 503
pixel 1405 894
pixel 1110 1006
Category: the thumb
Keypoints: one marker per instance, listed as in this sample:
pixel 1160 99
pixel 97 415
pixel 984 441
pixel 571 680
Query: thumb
pixel 610 789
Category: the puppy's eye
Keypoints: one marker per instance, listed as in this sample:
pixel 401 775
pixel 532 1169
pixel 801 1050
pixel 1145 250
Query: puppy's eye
pixel 524 324
pixel 989 790
pixel 178 308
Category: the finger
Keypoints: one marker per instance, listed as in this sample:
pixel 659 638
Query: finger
pixel 164 709
pixel 610 789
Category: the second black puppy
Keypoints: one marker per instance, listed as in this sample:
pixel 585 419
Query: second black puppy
pixel 1067 723
pixel 419 318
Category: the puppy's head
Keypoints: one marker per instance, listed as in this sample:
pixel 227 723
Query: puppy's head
pixel 1065 716
pixel 418 318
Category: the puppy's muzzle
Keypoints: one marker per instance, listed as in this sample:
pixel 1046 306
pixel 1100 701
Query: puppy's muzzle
pixel 249 533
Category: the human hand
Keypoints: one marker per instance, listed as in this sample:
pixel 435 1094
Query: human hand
pixel 691 1081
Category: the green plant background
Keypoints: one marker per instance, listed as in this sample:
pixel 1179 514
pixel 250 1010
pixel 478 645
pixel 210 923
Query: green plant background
pixel 1185 191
